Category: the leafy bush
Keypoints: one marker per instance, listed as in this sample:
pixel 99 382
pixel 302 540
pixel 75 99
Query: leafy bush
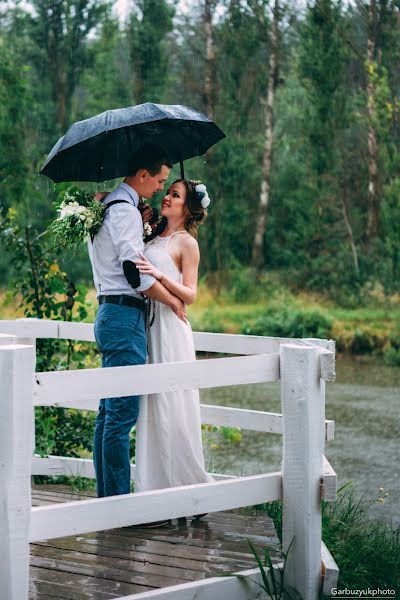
pixel 291 323
pixel 391 354
pixel 209 322
pixel 47 292
pixel 364 341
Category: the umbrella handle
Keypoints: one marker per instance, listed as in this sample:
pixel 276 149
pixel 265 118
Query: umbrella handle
pixel 182 170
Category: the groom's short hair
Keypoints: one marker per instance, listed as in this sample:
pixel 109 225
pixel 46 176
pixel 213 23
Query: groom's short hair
pixel 150 157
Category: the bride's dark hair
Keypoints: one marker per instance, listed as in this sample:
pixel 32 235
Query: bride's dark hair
pixel 196 213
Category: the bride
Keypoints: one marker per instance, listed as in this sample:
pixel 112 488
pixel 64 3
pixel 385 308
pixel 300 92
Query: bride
pixel 169 449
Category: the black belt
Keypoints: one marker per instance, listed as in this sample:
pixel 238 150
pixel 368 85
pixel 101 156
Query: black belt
pixel 123 300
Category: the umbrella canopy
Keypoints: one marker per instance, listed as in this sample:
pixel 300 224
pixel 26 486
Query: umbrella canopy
pixel 100 148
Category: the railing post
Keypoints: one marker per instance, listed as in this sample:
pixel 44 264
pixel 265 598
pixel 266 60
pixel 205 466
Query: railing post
pixel 16 400
pixel 303 409
pixel 31 342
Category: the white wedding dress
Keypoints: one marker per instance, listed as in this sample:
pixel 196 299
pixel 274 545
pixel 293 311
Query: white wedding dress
pixel 169 449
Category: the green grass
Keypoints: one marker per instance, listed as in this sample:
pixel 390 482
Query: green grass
pixel 268 307
pixel 366 551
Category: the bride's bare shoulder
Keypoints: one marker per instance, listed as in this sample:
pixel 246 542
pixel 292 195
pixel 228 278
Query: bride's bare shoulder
pixel 188 242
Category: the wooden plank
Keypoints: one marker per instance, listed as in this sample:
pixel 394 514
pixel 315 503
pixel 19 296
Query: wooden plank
pixel 30 328
pixel 226 343
pixel 164 573
pixel 330 571
pixel 221 343
pixel 187 545
pixel 210 589
pixel 133 509
pixel 303 406
pixel 7 339
pixel 17 365
pixel 60 583
pixel 55 387
pixel 50 591
pixel 112 549
pixel 82 332
pixel 104 572
pixel 329 481
pixel 81 467
pixel 329 430
pixel 327 365
pixel 252 420
pixel 60 465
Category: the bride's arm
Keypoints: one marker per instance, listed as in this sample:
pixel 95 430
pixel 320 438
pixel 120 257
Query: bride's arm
pixel 185 291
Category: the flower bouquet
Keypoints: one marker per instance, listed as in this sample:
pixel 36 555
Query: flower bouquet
pixel 80 218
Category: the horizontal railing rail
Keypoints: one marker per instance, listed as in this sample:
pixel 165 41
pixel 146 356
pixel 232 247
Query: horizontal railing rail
pixel 72 518
pixel 221 343
pixel 83 384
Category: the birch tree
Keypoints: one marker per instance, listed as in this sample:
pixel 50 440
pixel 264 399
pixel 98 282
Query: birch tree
pixel 210 67
pixel 373 182
pixel 257 258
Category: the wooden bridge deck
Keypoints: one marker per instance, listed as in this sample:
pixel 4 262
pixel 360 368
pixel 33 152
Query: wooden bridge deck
pixel 119 562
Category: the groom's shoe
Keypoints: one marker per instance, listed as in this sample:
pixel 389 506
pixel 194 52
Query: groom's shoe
pixel 156 524
pixel 148 525
pixel 197 517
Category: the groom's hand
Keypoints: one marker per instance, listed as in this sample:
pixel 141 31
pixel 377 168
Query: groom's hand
pixel 146 212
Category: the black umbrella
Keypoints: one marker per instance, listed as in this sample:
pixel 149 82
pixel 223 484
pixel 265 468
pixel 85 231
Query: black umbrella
pixel 100 148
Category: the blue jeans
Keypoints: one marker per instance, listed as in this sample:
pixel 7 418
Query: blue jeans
pixel 121 337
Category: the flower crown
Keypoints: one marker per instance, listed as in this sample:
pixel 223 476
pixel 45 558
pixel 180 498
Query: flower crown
pixel 202 194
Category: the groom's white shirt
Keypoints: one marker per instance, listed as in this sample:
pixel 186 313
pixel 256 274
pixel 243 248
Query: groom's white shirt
pixel 120 238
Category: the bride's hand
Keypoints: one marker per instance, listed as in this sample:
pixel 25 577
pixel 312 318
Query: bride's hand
pixel 147 268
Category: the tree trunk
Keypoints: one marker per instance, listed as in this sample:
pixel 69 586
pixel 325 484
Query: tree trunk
pixel 209 78
pixel 61 99
pixel 345 210
pixel 373 192
pixel 257 259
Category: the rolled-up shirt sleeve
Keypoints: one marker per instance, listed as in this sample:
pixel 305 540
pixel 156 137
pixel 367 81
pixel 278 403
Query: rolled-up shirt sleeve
pixel 126 231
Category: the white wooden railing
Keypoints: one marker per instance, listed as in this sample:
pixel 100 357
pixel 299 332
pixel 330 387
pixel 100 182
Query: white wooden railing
pixel 302 366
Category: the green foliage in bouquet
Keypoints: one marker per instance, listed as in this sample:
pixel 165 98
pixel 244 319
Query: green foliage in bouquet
pixel 80 217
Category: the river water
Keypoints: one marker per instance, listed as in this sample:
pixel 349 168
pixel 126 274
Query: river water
pixel 364 402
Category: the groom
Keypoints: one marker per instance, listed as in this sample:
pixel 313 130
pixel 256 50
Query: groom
pixel 120 321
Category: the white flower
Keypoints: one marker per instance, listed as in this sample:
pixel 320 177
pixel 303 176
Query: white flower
pixel 82 218
pixel 200 187
pixel 147 229
pixel 68 211
pixel 205 201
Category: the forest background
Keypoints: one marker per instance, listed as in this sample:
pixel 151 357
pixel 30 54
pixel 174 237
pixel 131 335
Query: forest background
pixel 302 236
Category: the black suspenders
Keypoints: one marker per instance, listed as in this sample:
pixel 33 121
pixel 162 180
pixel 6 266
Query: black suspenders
pixel 107 207
pixel 131 271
